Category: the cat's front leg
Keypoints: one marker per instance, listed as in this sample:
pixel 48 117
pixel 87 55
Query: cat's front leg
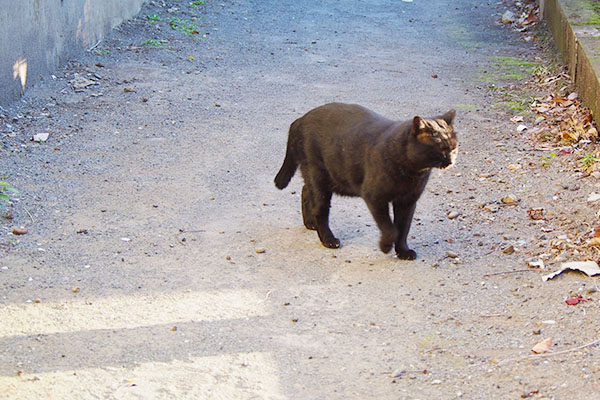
pixel 403 215
pixel 381 213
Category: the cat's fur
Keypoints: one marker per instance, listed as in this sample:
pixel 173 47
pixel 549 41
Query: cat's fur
pixel 352 151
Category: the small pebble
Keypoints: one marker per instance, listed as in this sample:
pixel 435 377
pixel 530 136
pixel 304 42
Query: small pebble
pixel 398 373
pixel 509 249
pixel 453 214
pixel 509 199
pixel 260 250
pixel 593 197
pixel 452 254
pixel 508 17
pixel 19 231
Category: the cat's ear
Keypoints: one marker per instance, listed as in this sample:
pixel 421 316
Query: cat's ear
pixel 421 132
pixel 418 125
pixel 449 116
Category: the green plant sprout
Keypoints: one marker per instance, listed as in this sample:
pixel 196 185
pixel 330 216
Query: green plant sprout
pixel 5 191
pixel 546 160
pixel 153 18
pixel 183 26
pixel 589 159
pixel 153 43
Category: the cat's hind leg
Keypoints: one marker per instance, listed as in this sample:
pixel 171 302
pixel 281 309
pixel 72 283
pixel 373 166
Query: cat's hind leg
pixel 403 215
pixel 321 201
pixel 307 209
pixel 322 216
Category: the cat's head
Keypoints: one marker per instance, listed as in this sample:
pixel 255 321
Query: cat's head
pixel 436 140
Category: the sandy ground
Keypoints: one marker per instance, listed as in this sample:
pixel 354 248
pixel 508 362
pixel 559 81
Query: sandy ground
pixel 161 262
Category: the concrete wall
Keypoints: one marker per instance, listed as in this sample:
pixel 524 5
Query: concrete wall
pixel 38 36
pixel 574 27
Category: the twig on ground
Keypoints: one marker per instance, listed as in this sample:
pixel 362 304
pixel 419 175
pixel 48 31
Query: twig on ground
pixel 30 216
pixel 546 355
pixel 266 297
pixel 94 46
pixel 510 272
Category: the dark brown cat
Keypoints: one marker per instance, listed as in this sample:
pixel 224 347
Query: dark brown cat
pixel 352 151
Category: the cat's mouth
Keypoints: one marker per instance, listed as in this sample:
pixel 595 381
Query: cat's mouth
pixel 448 160
pixel 446 164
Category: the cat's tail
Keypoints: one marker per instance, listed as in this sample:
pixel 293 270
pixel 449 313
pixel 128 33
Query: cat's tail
pixel 288 169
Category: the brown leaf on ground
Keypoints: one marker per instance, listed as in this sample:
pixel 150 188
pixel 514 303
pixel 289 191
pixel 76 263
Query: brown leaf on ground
pixel 536 213
pixel 575 300
pixel 543 346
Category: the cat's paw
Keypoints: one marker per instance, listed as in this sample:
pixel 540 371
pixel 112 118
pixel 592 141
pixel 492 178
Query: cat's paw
pixel 310 225
pixel 385 246
pixel 386 243
pixel 332 243
pixel 406 254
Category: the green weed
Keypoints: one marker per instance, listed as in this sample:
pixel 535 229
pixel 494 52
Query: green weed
pixel 589 162
pixel 513 68
pixel 5 191
pixel 153 18
pixel 183 26
pixel 546 159
pixel 153 43
pixel 466 106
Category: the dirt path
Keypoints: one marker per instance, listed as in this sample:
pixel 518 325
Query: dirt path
pixel 161 261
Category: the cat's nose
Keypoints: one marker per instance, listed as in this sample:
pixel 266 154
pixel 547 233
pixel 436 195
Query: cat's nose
pixel 445 161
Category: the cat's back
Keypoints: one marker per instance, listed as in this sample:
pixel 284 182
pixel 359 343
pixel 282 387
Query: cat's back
pixel 342 117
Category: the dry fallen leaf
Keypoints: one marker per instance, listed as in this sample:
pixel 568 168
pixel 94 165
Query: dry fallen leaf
pixel 590 268
pixel 517 118
pixel 575 300
pixel 536 213
pixel 595 241
pixel 543 346
pixel 536 264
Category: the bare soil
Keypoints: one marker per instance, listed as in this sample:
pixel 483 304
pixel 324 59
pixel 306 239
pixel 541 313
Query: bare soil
pixel 161 262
